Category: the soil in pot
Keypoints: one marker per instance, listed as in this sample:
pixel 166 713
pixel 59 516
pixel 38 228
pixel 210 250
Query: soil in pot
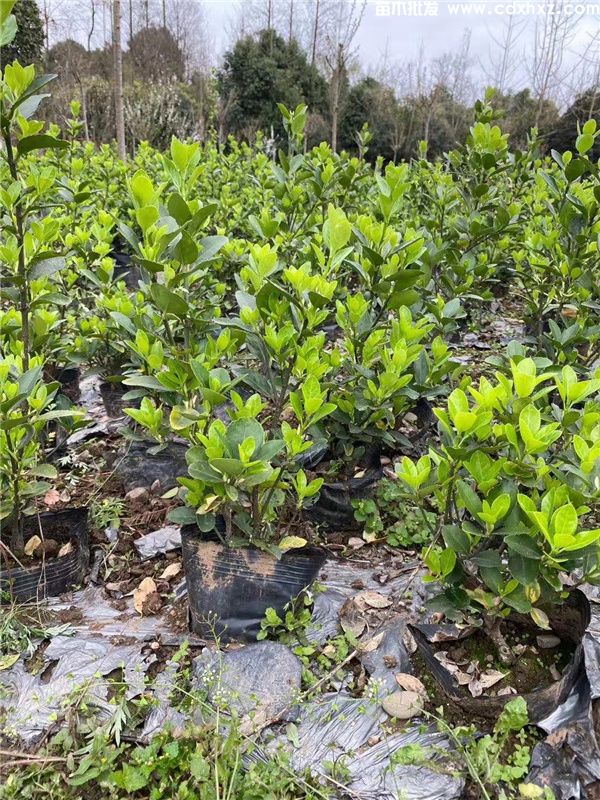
pixel 45 573
pixel 546 664
pixel 230 589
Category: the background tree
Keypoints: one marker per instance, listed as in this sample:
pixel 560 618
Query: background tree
pixel 154 56
pixel 28 45
pixel 519 112
pixel 71 61
pixel 118 78
pixel 586 106
pixel 262 71
pixel 344 26
pixel 370 102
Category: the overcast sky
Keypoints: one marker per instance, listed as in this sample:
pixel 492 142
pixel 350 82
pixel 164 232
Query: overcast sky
pixel 401 28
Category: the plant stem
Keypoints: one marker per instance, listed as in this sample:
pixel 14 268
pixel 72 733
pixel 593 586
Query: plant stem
pixel 24 298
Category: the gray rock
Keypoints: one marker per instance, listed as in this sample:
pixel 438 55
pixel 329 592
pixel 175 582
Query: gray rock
pixel 403 704
pixel 260 678
pixel 547 641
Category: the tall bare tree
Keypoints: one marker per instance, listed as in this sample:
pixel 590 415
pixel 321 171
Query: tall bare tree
pixel 553 37
pixel 345 22
pixel 503 63
pixel 118 78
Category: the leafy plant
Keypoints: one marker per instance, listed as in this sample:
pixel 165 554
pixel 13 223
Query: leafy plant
pixel 509 484
pixel 28 407
pixel 204 760
pixel 499 760
pixel 106 513
pixel 27 247
pixel 388 515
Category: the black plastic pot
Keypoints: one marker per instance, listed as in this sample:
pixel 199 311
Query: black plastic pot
pixel 54 576
pixel 112 393
pixel 568 621
pixel 230 589
pixel 333 508
pixel 68 377
pixel 125 269
pixel 136 466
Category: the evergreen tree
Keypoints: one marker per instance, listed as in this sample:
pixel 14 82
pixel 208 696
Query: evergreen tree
pixel 28 45
pixel 260 72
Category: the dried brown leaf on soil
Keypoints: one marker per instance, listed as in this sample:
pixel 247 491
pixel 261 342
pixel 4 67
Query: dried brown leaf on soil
pixel 354 543
pixel 410 683
pixel 52 497
pixel 372 600
pixel 372 644
pixel 170 571
pixel 32 545
pixel 146 599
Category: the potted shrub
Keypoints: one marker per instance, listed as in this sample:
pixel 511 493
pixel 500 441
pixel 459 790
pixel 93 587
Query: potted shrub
pixel 43 554
pixel 245 544
pixel 518 463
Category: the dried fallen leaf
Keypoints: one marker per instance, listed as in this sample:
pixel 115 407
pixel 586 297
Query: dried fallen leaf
pixel 6 662
pixel 146 599
pixel 479 683
pixel 373 643
pixel 353 625
pixel 65 549
pixel 355 543
pixel 555 672
pixel 52 497
pixel 32 545
pixel 373 600
pixel 442 657
pixel 490 677
pixel 292 543
pixel 351 620
pixel 506 690
pixel 170 571
pixel 410 683
pixel 462 678
pixel 409 641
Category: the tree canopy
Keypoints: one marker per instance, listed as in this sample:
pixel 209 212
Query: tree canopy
pixel 28 45
pixel 260 72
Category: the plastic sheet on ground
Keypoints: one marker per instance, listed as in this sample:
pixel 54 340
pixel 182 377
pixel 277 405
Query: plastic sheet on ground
pixel 163 714
pixel 568 760
pixel 260 681
pixel 100 423
pixel 90 611
pixel 99 638
pixel 161 541
pixel 334 728
pixel 348 732
pixel 72 665
pixel 343 580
